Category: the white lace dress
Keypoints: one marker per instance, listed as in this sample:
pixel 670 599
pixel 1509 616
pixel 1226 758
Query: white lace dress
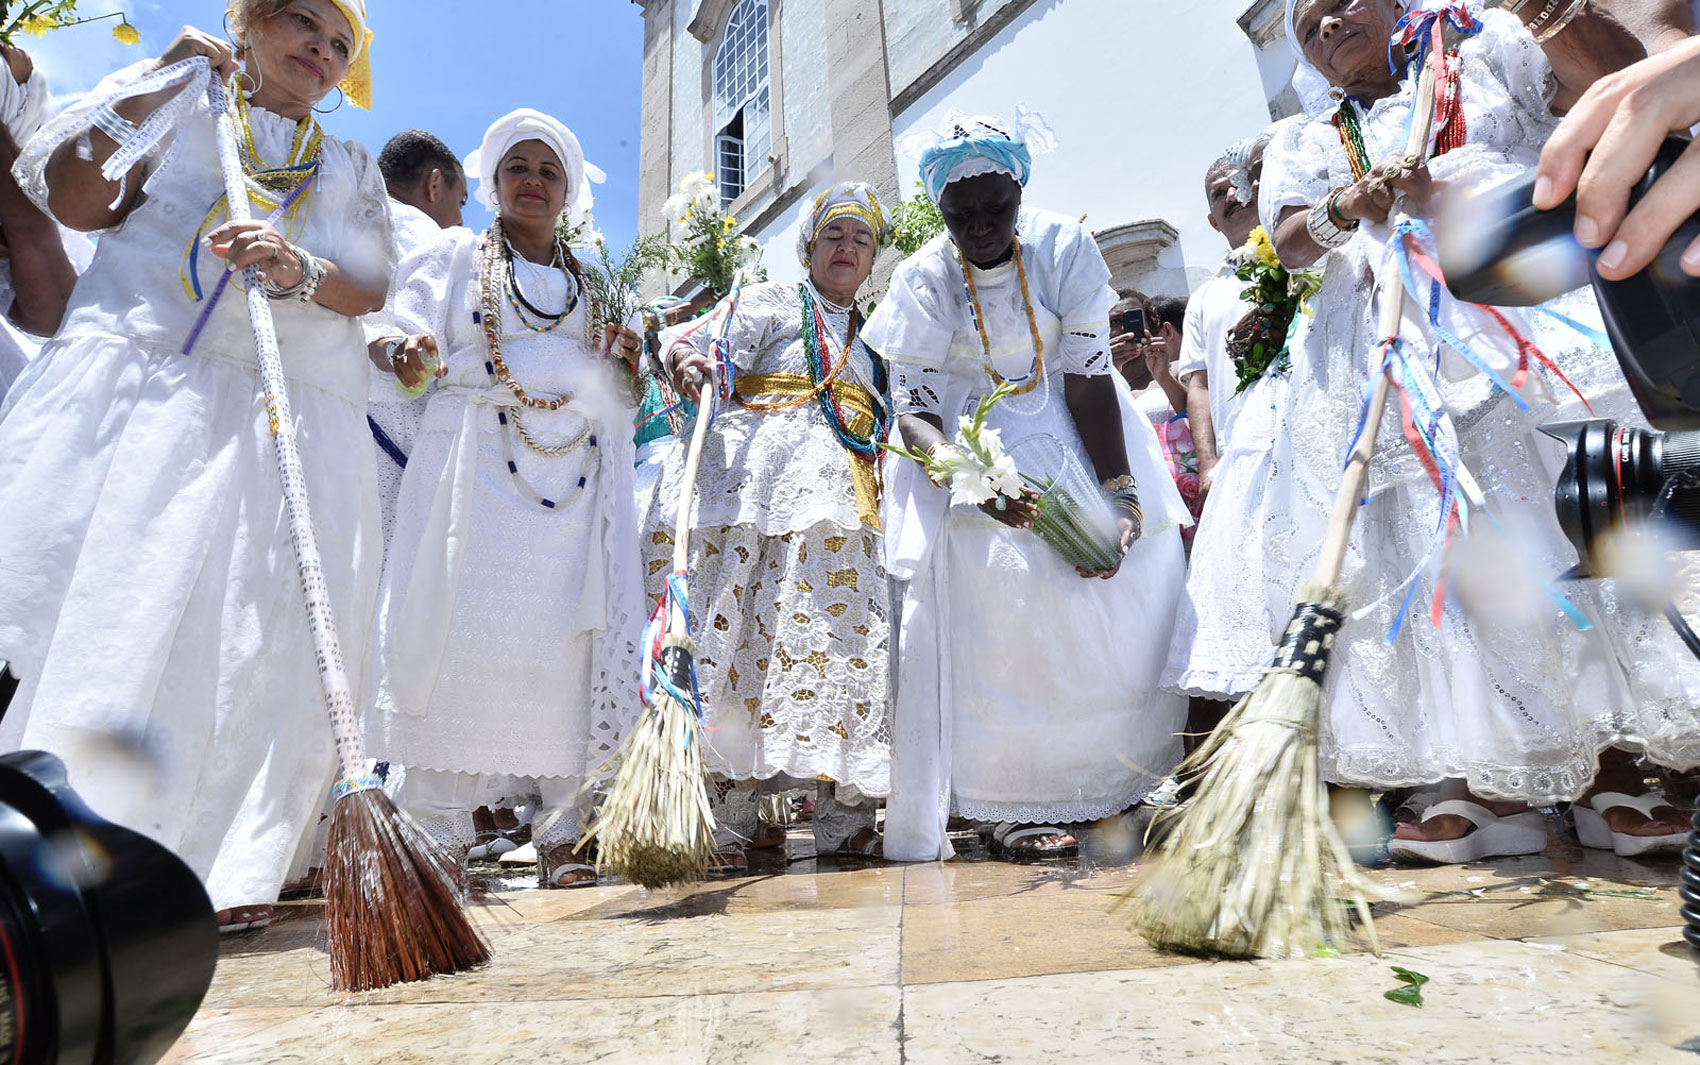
pixel 1026 692
pixel 788 587
pixel 507 630
pixel 148 590
pixel 1506 692
pixel 1239 588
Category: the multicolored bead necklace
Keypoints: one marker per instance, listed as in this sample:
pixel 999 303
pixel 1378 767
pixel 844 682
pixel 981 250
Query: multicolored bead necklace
pixel 821 370
pixel 819 355
pixel 1037 372
pixel 516 295
pixel 1351 132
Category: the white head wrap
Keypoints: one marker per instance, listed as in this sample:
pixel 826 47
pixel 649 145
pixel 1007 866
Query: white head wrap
pixel 526 124
pixel 1315 93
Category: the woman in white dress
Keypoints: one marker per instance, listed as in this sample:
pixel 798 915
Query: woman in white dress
pixel 787 585
pixel 148 591
pixel 511 601
pixel 1027 690
pixel 1506 698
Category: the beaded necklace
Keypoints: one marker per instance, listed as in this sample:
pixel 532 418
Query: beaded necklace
pixel 516 295
pixel 819 355
pixel 495 273
pixel 269 187
pixel 821 371
pixel 1351 132
pixel 1037 372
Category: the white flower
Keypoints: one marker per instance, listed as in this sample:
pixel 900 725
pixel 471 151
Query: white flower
pixel 964 427
pixel 1003 478
pixel 697 186
pixel 676 205
pixel 968 485
pixel 991 442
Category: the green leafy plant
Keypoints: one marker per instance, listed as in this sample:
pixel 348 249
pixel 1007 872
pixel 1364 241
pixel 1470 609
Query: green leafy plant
pixel 40 16
pixel 614 280
pixel 914 222
pixel 1410 989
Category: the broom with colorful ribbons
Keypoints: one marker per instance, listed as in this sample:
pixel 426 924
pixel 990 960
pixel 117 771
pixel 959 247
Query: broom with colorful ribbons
pixel 392 894
pixel 1252 866
pixel 656 828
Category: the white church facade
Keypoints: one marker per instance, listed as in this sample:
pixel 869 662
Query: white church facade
pixel 777 97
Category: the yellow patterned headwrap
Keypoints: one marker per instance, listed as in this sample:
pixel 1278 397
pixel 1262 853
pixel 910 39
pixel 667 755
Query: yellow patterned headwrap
pixel 357 83
pixel 853 198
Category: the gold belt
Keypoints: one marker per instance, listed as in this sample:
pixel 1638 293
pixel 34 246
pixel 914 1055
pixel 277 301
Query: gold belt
pixel 858 402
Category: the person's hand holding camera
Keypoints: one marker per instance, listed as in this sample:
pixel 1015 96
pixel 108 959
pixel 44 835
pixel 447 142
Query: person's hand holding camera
pixel 1603 148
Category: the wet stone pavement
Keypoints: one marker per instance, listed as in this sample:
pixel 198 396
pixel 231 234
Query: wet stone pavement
pixel 1570 956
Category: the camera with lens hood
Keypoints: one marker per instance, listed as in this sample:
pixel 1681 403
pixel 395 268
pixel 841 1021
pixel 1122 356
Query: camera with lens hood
pixel 1502 251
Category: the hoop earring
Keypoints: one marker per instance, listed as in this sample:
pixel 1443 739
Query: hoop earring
pixel 342 98
pixel 255 82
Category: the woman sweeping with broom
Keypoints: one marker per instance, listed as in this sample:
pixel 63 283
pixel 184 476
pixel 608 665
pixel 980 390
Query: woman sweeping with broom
pixel 1485 682
pixel 788 592
pixel 511 601
pixel 148 592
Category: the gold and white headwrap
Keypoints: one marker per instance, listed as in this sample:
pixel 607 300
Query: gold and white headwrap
pixel 853 199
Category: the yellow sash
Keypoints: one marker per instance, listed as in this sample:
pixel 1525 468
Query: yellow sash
pixel 864 470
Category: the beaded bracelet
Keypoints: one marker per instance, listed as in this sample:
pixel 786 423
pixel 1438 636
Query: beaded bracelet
pixel 1535 24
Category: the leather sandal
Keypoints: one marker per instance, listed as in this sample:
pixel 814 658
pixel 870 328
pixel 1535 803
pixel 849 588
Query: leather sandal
pixel 1594 831
pixel 1490 836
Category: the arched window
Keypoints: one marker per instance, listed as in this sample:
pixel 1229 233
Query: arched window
pixel 743 116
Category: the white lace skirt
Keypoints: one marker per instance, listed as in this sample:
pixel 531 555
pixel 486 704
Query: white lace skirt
pixel 149 597
pixel 792 636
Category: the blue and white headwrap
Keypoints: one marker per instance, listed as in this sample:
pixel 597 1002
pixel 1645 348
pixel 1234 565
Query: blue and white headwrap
pixel 969 146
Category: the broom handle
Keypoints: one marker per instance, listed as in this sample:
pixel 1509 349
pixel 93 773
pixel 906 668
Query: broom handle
pixel 327 651
pixel 1333 557
pixel 693 459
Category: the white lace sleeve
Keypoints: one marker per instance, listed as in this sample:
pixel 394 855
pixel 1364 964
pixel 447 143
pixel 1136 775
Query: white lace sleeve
pixel 917 389
pixel 426 284
pixel 1295 167
pixel 74 123
pixel 1083 301
pixel 1520 64
pixel 911 324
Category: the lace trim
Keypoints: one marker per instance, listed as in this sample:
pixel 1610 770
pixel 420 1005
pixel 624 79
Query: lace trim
pixel 1042 813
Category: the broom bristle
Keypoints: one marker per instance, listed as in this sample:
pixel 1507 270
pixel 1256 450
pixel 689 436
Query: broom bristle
pixel 655 827
pixel 1253 866
pixel 392 899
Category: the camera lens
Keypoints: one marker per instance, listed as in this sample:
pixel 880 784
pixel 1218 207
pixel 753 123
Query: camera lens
pixel 1615 476
pixel 107 940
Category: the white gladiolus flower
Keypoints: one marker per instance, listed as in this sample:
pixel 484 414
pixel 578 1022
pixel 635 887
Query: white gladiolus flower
pixel 991 441
pixel 1003 478
pixel 964 426
pixel 968 485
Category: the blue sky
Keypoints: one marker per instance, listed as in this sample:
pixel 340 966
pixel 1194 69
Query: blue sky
pixel 450 68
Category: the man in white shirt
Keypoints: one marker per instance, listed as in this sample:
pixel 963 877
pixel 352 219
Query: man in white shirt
pixel 1215 307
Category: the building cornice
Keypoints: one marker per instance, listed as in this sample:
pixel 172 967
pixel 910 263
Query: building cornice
pixel 708 17
pixel 1264 22
pixel 1133 247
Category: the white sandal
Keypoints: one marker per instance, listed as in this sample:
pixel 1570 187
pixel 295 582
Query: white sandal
pixel 1493 837
pixel 1593 831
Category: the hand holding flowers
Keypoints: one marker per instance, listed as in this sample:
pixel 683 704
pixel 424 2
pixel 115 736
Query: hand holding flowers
pixel 976 470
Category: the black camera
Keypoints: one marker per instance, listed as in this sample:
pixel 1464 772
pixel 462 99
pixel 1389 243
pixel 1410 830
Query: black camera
pixel 1498 249
pixel 107 940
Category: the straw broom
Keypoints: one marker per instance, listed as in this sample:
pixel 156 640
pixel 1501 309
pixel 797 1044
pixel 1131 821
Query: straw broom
pixel 392 894
pixel 1253 866
pixel 655 827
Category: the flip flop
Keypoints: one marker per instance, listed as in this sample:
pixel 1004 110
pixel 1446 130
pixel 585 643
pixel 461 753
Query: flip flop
pixel 1593 831
pixel 1492 836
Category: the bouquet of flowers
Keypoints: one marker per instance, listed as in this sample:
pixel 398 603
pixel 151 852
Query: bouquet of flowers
pixel 712 250
pixel 1277 294
pixel 1073 517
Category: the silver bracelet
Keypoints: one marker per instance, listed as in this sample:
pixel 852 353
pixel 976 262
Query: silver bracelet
pixel 1320 224
pixel 1557 26
pixel 389 349
pixel 312 276
pixel 118 128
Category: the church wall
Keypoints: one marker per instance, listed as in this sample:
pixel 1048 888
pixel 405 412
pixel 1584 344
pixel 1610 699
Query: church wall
pixel 1143 96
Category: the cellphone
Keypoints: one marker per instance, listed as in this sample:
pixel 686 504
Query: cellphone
pixel 1133 321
